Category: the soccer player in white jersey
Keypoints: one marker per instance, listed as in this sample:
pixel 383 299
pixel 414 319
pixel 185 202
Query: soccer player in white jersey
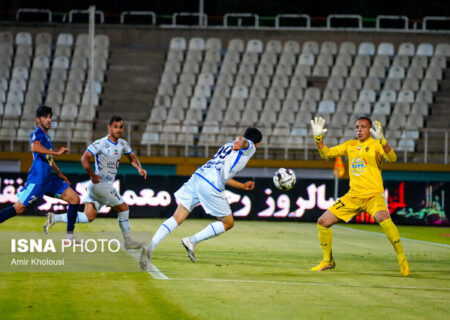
pixel 107 152
pixel 206 187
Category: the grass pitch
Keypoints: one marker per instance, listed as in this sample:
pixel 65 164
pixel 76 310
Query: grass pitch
pixel 258 270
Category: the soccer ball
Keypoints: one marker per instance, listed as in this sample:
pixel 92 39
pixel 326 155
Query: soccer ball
pixel 284 179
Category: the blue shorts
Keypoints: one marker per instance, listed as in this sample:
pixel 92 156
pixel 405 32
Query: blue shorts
pixel 32 191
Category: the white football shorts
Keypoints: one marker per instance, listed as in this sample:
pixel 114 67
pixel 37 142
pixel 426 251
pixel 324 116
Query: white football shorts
pixel 102 193
pixel 198 191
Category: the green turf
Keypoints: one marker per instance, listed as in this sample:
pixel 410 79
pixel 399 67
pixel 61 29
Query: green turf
pixel 258 270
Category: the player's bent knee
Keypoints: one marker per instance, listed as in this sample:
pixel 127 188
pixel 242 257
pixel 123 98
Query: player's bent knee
pixel 381 216
pixel 228 225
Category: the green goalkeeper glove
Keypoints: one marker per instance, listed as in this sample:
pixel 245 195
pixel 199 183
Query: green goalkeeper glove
pixel 317 128
pixel 377 132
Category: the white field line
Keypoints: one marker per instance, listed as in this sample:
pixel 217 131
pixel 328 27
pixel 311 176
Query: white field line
pixel 154 271
pixel 313 284
pixel 403 239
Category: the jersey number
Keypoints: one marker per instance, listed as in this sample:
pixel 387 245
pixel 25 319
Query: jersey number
pixel 223 152
pixel 339 204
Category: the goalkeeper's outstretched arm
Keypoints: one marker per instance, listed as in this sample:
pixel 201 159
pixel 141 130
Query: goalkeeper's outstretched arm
pixel 377 132
pixel 317 126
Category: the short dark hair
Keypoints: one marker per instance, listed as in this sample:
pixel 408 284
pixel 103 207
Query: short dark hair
pixel 43 111
pixel 115 119
pixel 253 134
pixel 366 118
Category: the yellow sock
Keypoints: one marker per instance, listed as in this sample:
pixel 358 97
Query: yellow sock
pixel 391 232
pixel 325 238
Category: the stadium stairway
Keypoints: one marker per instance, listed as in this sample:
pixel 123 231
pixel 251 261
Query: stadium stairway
pixel 133 75
pixel 438 118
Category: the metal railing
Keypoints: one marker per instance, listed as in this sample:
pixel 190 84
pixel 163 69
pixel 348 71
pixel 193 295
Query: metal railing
pixel 240 16
pixel 366 24
pixel 202 17
pixel 86 12
pixel 138 13
pixel 306 17
pixel 383 17
pixel 31 10
pixel 356 17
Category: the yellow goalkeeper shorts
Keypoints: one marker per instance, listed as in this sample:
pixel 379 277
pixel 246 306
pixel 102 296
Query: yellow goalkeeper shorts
pixel 348 206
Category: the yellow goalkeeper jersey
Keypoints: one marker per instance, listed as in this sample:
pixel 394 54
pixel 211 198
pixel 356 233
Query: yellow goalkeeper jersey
pixel 364 161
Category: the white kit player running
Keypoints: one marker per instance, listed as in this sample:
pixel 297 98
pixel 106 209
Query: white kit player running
pixel 107 152
pixel 206 187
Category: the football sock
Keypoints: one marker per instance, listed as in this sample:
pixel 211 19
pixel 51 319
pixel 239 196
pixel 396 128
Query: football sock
pixel 124 224
pixel 391 232
pixel 212 230
pixel 72 217
pixel 7 213
pixel 167 227
pixel 81 217
pixel 325 238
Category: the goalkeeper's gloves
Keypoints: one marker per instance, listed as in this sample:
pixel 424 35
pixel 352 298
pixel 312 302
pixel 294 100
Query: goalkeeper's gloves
pixel 377 132
pixel 317 128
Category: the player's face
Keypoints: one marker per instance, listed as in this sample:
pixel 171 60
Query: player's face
pixel 362 129
pixel 116 129
pixel 45 122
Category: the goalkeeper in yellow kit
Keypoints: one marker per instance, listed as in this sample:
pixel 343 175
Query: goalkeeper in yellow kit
pixel 366 194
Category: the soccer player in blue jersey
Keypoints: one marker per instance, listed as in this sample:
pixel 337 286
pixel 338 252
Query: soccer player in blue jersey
pixel 206 187
pixel 41 179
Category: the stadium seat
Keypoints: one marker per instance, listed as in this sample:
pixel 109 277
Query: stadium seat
pixel 326 106
pixel 366 48
pixel 402 108
pixel 236 45
pixel 291 46
pixel 388 96
pixel 367 95
pixel 311 47
pixel 331 94
pixel 43 38
pixel 419 108
pixel 197 44
pixel 306 59
pixel 425 49
pixel 406 49
pixel 362 107
pixel 214 44
pixel 328 47
pixel 178 44
pixel 255 46
pixel 392 84
pixel 443 49
pixel 23 38
pixel 385 49
pixel 294 93
pixel 258 92
pixel 396 73
pixel 434 73
pixel 411 84
pixel 382 108
pixel 424 96
pixel 429 84
pixel 348 48
pixel 372 83
pixel 321 71
pixel 339 70
pixel 349 94
pixel 415 72
pixel 406 96
pixel 401 61
pixel 274 46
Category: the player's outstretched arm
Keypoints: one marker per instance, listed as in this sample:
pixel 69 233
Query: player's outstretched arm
pixel 377 133
pixel 135 163
pixel 249 185
pixel 87 166
pixel 317 126
pixel 37 147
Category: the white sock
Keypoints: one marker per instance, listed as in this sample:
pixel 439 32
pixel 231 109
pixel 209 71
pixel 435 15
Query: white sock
pixel 212 230
pixel 81 217
pixel 167 227
pixel 123 218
